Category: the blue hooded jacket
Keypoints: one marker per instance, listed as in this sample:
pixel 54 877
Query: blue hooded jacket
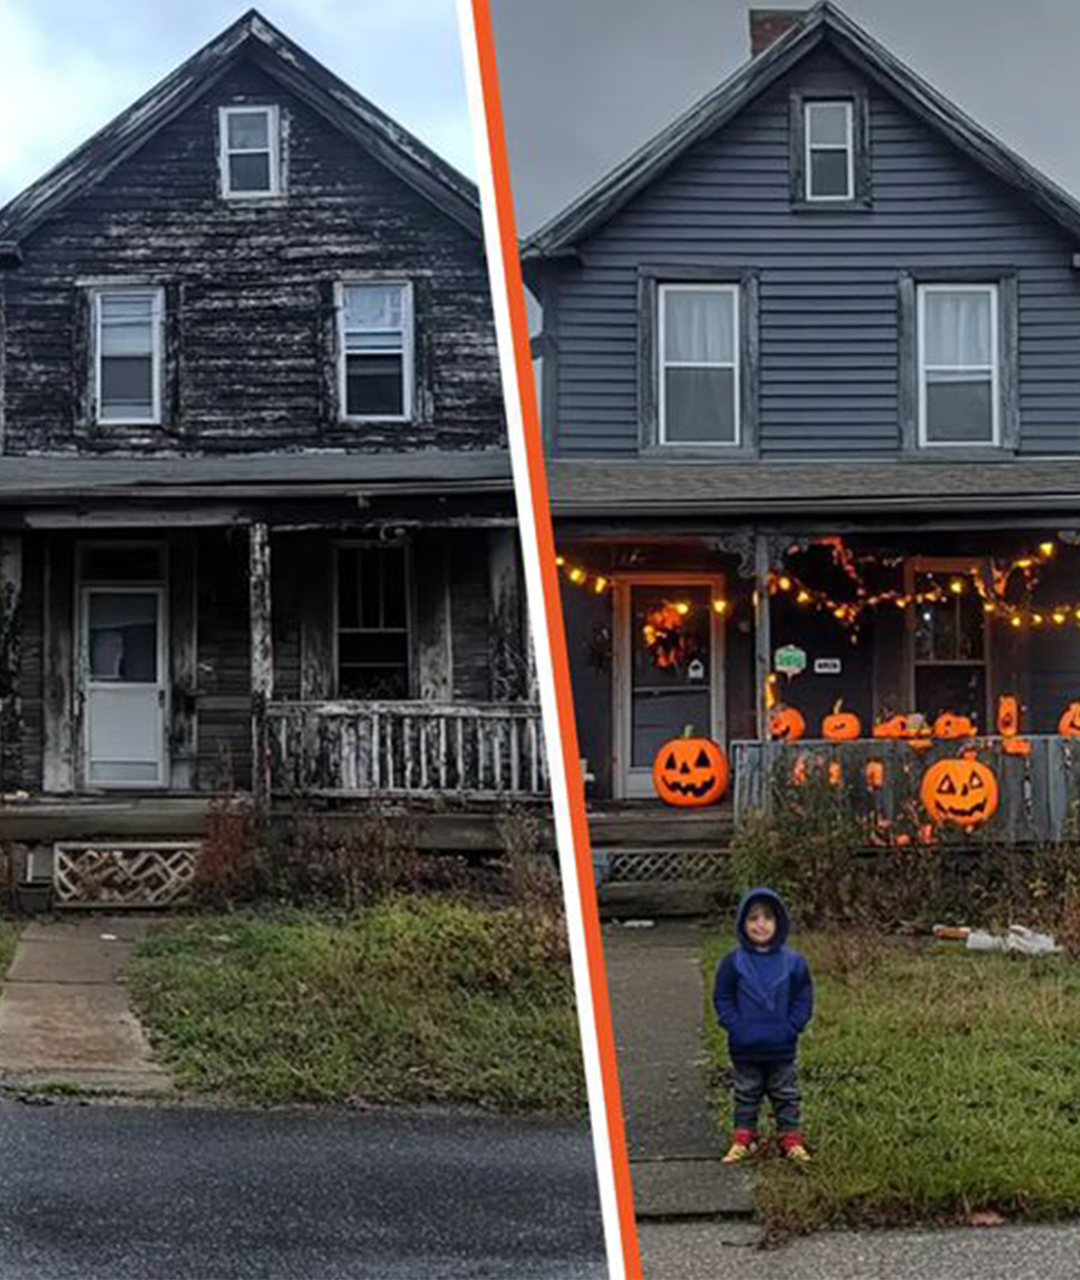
pixel 763 999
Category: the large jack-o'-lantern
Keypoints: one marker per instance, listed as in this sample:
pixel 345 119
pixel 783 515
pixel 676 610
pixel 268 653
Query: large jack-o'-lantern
pixel 690 771
pixel 962 791
pixel 786 724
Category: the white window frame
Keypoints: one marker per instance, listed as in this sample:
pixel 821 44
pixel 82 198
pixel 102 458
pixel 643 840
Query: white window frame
pixel 848 148
pixel 664 364
pixel 273 140
pixel 156 294
pixel 407 348
pixel 924 291
pixel 347 544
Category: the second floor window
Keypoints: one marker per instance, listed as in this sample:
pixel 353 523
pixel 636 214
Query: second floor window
pixel 250 151
pixel 699 367
pixel 830 151
pixel 128 354
pixel 376 350
pixel 958 364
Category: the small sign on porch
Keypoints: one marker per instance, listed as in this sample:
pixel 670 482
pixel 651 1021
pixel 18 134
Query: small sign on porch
pixel 789 660
pixel 827 666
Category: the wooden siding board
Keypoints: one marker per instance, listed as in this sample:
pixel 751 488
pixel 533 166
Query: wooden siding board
pixel 245 315
pixel 828 282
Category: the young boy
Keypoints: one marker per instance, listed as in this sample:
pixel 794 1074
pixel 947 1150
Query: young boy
pixel 764 997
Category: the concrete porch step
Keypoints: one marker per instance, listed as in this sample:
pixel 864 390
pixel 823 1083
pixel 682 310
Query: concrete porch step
pixel 670 1189
pixel 661 826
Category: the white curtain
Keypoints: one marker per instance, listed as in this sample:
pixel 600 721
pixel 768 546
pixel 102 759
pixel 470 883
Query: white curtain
pixel 957 328
pixel 699 326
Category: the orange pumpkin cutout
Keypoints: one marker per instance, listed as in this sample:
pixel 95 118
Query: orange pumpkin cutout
pixel 836 773
pixel 799 772
pixel 894 727
pixel 1016 747
pixel 1069 724
pixel 875 774
pixel 1008 716
pixel 962 791
pixel 689 772
pixel 841 726
pixel 950 726
pixel 786 724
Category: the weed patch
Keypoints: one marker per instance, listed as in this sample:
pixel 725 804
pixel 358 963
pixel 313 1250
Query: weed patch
pixel 935 1085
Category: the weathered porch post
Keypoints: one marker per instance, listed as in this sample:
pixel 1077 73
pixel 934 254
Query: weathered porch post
pixel 762 633
pixel 262 662
pixel 508 642
pixel 11 575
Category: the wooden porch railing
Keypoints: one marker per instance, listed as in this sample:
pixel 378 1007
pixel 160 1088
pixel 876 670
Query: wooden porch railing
pixel 1039 793
pixel 468 751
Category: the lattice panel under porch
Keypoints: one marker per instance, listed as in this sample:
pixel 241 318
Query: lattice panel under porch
pixel 122 873
pixel 665 864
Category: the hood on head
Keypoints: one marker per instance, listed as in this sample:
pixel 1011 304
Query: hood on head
pixel 773 899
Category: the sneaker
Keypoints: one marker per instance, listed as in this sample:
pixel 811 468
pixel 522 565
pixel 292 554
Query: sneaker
pixel 738 1152
pixel 798 1154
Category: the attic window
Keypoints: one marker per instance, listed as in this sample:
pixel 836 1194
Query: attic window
pixel 250 152
pixel 830 147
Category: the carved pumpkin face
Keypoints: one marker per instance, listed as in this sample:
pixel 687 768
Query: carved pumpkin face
pixel 1069 724
pixel 1008 716
pixel 841 726
pixel 690 771
pixel 948 725
pixel 963 791
pixel 894 727
pixel 786 724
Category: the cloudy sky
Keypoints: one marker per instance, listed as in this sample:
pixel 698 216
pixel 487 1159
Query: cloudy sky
pixel 584 82
pixel 68 66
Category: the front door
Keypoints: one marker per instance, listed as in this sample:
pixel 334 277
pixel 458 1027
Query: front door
pixel 668 669
pixel 124 691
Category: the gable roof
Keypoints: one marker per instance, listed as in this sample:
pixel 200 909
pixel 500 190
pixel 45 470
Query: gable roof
pixel 251 36
pixel 824 22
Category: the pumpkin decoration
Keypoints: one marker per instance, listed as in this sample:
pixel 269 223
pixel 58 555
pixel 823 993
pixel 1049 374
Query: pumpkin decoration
pixel 875 774
pixel 1016 746
pixel 951 726
pixel 799 771
pixel 894 727
pixel 786 724
pixel 1069 724
pixel 836 773
pixel 690 771
pixel 841 726
pixel 960 790
pixel 1008 716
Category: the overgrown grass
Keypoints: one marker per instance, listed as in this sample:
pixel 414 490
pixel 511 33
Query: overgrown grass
pixel 411 1000
pixel 9 936
pixel 935 1084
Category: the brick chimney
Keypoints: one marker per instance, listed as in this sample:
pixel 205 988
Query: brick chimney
pixel 768 25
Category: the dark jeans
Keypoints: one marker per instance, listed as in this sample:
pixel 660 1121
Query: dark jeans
pixel 778 1081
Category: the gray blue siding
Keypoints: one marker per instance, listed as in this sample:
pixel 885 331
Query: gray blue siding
pixel 828 282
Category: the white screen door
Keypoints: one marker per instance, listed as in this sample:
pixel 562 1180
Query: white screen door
pixel 125 696
pixel 668 670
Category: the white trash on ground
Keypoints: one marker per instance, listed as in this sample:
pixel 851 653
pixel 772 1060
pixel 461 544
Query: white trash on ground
pixel 1024 941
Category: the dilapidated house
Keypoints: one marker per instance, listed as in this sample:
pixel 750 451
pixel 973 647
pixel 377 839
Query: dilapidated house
pixel 256 516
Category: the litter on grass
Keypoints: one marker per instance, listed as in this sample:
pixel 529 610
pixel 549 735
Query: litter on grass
pixel 1024 941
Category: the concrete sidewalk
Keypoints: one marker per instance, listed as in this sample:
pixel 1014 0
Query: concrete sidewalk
pixel 657 1004
pixel 65 1018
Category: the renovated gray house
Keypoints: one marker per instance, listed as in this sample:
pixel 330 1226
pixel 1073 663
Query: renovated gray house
pixel 811 397
pixel 256 515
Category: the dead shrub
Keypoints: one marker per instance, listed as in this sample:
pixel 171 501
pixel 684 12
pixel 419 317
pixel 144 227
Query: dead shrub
pixel 226 872
pixel 533 879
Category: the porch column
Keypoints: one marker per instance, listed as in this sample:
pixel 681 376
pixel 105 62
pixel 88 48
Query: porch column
pixel 262 661
pixel 762 633
pixel 507 640
pixel 11 576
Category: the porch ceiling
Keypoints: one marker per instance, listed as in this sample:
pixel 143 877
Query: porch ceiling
pixel 582 487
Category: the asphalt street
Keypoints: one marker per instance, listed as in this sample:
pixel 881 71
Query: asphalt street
pixel 103 1192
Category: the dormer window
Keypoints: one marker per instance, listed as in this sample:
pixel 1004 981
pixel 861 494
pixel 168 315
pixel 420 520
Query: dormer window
pixel 830 151
pixel 250 152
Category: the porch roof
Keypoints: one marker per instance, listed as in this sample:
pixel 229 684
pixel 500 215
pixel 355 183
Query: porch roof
pixel 582 487
pixel 36 481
